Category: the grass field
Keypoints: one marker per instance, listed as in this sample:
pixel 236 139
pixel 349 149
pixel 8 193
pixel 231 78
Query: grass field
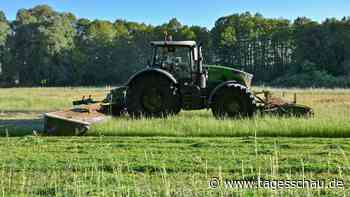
pixel 177 156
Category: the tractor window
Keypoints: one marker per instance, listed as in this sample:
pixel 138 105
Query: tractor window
pixel 177 60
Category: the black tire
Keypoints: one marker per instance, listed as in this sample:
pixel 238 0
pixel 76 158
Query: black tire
pixel 233 101
pixel 116 110
pixel 152 95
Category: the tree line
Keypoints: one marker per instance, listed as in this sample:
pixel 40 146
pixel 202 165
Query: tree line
pixel 45 47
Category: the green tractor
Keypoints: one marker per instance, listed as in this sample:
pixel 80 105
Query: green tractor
pixel 176 80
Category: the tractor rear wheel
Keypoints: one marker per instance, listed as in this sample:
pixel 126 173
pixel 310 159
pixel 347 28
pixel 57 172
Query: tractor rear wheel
pixel 234 101
pixel 152 95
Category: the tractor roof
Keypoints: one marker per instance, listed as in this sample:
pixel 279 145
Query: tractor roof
pixel 174 43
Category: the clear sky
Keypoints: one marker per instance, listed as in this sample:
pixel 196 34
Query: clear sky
pixel 189 12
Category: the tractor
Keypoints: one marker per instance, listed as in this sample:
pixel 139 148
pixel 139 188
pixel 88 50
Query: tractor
pixel 176 79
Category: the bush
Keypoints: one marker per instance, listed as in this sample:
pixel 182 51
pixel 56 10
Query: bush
pixel 314 78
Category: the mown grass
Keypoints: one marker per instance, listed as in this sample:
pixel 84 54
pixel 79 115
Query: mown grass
pixel 21 109
pixel 43 99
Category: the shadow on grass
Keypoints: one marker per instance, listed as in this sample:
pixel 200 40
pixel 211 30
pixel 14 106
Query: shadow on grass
pixel 19 127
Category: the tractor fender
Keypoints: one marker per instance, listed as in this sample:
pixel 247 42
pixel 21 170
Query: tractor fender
pixel 217 88
pixel 149 71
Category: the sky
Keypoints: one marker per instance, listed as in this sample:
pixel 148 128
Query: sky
pixel 189 12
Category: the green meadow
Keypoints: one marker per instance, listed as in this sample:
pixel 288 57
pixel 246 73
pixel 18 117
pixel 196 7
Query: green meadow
pixel 177 156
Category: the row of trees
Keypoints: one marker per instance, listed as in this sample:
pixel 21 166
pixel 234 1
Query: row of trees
pixel 272 48
pixel 43 46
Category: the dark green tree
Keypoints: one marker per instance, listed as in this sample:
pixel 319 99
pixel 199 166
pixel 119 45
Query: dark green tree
pixel 5 32
pixel 42 43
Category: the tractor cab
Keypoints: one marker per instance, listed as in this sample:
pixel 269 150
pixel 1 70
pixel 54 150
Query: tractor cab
pixel 183 59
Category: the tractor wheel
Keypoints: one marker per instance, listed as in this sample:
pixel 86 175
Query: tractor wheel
pixel 234 101
pixel 152 95
pixel 116 110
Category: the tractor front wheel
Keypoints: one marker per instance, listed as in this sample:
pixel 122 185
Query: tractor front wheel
pixel 233 101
